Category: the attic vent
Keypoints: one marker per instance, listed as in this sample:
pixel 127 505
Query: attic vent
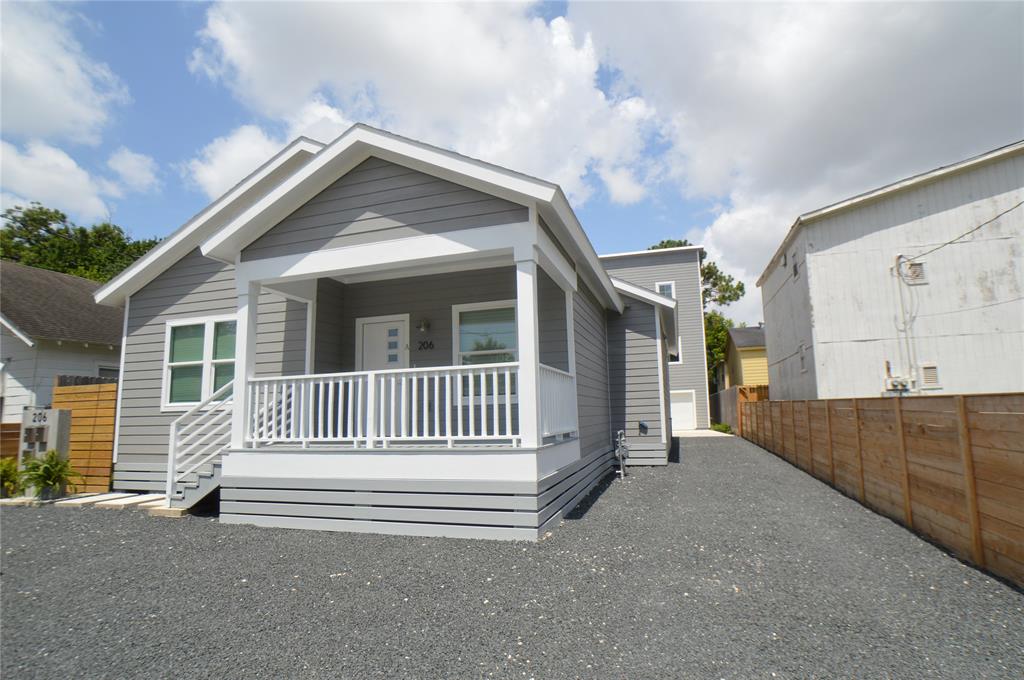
pixel 915 273
pixel 929 375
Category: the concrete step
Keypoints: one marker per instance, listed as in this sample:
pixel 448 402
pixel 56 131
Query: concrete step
pixel 121 503
pixel 83 501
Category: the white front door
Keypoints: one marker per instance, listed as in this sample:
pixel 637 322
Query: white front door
pixel 684 411
pixel 382 342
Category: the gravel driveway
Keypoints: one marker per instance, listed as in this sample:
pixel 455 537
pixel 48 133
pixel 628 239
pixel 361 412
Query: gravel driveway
pixel 730 563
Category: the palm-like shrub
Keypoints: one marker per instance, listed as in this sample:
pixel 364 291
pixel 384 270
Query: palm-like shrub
pixel 49 475
pixel 10 478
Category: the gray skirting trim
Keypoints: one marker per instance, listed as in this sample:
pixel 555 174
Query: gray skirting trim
pixel 411 507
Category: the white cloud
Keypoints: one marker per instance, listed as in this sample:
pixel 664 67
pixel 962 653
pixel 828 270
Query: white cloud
pixel 47 174
pixel 226 160
pixel 51 88
pixel 488 80
pixel 135 171
pixel 780 109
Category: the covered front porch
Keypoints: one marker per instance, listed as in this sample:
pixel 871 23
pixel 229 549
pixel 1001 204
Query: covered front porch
pixel 465 358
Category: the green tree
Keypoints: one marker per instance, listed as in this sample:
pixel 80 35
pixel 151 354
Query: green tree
pixel 718 287
pixel 716 337
pixel 42 237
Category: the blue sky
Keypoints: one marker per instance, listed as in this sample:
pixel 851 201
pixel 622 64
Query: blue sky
pixel 715 123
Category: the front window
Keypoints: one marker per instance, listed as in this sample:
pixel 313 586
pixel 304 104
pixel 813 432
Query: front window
pixel 666 288
pixel 200 360
pixel 485 333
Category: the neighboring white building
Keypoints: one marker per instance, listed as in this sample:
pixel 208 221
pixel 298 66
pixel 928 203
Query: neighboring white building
pixel 920 282
pixel 50 326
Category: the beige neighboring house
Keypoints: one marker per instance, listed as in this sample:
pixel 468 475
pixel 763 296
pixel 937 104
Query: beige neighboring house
pixel 49 326
pixel 746 361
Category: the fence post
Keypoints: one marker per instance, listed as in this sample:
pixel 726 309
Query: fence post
pixel 860 455
pixel 792 426
pixel 908 510
pixel 371 409
pixel 828 433
pixel 810 440
pixel 977 548
pixel 739 411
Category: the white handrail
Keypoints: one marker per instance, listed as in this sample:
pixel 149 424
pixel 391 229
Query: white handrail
pixel 558 413
pixel 182 456
pixel 449 404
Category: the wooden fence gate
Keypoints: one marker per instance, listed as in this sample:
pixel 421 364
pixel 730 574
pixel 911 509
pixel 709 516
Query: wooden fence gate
pixel 92 431
pixel 950 468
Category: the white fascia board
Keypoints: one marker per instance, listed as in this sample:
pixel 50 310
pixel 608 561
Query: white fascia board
pixel 17 332
pixel 641 293
pixel 655 251
pixel 353 147
pixel 882 192
pixel 187 237
pixel 593 271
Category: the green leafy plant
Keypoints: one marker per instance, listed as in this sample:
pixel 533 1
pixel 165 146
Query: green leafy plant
pixel 10 478
pixel 721 427
pixel 49 475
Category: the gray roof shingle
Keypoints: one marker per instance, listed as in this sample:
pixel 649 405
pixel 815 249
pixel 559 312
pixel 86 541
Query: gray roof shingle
pixel 752 336
pixel 47 305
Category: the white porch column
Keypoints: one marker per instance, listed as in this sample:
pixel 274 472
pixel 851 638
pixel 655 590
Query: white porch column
pixel 245 357
pixel 529 352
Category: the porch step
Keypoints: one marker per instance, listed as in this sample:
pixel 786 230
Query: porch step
pixel 115 501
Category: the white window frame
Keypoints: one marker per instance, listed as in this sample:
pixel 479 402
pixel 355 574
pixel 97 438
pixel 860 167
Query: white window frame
pixel 659 284
pixel 207 362
pixel 679 353
pixel 476 307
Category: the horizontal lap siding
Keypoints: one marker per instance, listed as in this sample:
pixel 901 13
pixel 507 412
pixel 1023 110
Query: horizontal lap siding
pixel 591 372
pixel 193 287
pixel 635 389
pixel 551 322
pixel 427 298
pixel 684 269
pixel 380 201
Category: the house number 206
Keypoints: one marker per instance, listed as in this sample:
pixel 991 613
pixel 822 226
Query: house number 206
pixel 425 344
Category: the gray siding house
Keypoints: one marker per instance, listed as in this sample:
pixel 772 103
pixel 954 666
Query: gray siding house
pixel 379 335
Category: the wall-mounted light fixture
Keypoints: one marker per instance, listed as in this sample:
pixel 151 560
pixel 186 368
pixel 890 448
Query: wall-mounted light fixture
pixel 423 326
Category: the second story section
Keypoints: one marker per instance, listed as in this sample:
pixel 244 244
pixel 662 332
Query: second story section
pixel 675 273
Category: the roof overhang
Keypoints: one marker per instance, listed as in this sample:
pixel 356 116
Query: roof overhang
pixel 665 306
pixel 883 192
pixel 192 233
pixel 359 143
pixel 652 251
pixel 17 332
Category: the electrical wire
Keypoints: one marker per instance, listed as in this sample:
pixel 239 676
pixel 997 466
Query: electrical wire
pixel 966 233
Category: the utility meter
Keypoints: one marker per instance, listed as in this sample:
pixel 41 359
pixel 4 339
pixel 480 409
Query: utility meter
pixel 43 429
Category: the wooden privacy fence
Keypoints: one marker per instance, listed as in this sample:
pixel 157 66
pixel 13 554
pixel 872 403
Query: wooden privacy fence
pixel 726 405
pixel 950 468
pixel 92 431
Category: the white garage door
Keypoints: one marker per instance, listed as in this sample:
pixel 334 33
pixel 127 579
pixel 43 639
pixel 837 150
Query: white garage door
pixel 684 411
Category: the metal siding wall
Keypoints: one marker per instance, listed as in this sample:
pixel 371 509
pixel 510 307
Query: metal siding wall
pixel 378 201
pixel 633 372
pixel 968 316
pixel 788 314
pixel 193 287
pixel 591 372
pixel 683 268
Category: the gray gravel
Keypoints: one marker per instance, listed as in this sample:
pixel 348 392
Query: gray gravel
pixel 728 564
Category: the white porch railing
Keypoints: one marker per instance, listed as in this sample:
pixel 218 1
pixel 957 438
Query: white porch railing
pixel 557 391
pixel 447 405
pixel 198 436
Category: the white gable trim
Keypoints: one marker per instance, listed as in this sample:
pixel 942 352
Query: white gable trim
pixel 640 293
pixel 359 143
pixel 17 332
pixel 188 236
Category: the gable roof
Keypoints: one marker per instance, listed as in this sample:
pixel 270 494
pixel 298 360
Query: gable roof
pixel 884 191
pixel 47 305
pixel 360 142
pixel 664 306
pixel 189 235
pixel 751 336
